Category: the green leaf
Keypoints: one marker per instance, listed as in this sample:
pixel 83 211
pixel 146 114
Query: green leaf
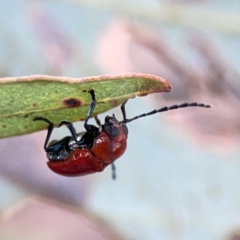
pixel 63 98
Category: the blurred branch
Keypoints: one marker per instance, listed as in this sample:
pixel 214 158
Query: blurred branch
pixel 221 75
pixel 165 53
pixel 188 16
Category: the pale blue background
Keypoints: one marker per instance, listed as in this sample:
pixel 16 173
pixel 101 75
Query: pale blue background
pixel 167 188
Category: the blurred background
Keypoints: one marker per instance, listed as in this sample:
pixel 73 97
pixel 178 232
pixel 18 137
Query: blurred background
pixel 179 178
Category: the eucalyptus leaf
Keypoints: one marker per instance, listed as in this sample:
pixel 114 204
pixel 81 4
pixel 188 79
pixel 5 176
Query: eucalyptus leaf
pixel 64 98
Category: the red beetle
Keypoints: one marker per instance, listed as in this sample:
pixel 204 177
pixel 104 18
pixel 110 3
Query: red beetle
pixel 93 150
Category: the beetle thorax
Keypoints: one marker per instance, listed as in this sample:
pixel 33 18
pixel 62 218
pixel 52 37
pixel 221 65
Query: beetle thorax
pixel 115 129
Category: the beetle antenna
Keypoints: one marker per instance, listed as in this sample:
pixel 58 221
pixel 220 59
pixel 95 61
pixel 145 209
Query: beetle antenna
pixel 165 109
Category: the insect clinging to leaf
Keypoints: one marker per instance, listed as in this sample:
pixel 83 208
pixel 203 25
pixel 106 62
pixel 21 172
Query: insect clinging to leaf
pixel 96 148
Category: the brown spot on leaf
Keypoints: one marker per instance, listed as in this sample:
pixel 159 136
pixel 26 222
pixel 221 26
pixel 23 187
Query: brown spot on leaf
pixel 34 104
pixel 4 126
pixel 72 102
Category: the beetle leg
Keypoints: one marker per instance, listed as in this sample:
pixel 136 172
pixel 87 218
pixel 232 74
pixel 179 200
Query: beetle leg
pixel 71 128
pixel 111 155
pixel 98 121
pixel 50 129
pixel 113 171
pixel 123 110
pixel 92 106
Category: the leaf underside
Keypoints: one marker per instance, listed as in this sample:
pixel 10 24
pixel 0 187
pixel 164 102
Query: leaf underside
pixel 62 98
